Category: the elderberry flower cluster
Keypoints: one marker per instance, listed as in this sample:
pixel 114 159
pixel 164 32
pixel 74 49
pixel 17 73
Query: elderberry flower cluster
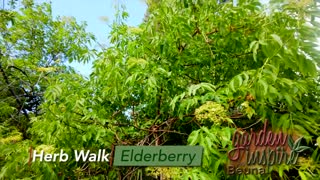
pixel 211 111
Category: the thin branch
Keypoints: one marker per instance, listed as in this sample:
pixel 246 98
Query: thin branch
pixel 14 94
pixel 134 169
pixel 193 119
pixel 252 124
pixel 156 139
pixel 212 32
pixel 117 112
pixel 152 130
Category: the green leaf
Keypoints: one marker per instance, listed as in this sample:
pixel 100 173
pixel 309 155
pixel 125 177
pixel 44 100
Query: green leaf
pixel 246 78
pixel 301 130
pixel 264 85
pixel 288 99
pixel 236 82
pixel 281 171
pixel 203 176
pixel 193 138
pixel 277 39
pixel 254 46
pixel 297 105
pixel 208 142
pixel 254 50
pixel 309 67
pixel 286 82
pixel 302 175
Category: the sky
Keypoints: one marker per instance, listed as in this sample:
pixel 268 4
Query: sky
pixel 91 12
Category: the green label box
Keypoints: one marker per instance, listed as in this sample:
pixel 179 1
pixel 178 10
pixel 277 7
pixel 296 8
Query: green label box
pixel 158 156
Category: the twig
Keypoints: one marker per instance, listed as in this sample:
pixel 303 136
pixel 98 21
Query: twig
pixel 157 137
pixel 168 131
pixel 14 94
pixel 144 139
pixel 189 121
pixel 134 169
pixel 252 124
pixel 212 32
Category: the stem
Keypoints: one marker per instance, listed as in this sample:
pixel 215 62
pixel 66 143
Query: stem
pixel 20 104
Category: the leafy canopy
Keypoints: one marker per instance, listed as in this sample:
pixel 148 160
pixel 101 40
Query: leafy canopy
pixel 192 73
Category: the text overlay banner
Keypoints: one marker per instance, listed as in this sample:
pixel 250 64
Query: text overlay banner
pixel 158 156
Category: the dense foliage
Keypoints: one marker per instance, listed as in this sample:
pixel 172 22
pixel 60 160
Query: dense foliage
pixel 191 74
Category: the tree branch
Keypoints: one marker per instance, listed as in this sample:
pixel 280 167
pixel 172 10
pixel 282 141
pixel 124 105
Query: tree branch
pixel 12 92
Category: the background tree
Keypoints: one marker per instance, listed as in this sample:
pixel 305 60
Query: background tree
pixel 33 50
pixel 192 73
